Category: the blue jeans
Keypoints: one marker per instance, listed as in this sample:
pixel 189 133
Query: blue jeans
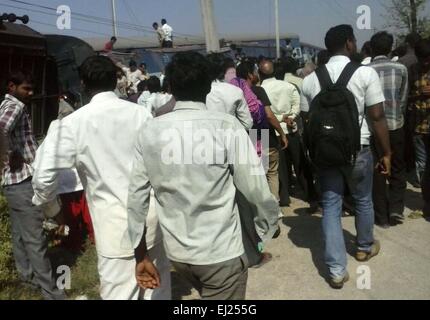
pixel 420 156
pixel 332 188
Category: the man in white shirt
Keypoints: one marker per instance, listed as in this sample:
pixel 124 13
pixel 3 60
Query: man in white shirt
pixel 134 76
pixel 225 97
pixel 74 207
pixel 290 68
pixel 156 99
pixel 160 33
pixel 285 100
pixel 284 96
pixel 195 183
pixel 168 34
pixel 366 88
pixel 99 141
pixel 303 168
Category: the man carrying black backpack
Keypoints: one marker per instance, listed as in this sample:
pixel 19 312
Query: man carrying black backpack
pixel 343 99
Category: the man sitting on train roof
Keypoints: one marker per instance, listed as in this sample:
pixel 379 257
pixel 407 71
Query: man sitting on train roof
pixel 109 45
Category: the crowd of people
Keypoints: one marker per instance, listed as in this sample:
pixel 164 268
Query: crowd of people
pixel 192 170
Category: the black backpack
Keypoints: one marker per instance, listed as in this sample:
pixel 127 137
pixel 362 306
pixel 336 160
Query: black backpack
pixel 333 131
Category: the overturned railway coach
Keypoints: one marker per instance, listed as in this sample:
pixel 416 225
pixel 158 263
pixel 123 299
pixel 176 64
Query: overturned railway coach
pixel 53 61
pixel 23 48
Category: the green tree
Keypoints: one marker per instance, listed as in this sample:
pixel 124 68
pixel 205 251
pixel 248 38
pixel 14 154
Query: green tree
pixel 407 16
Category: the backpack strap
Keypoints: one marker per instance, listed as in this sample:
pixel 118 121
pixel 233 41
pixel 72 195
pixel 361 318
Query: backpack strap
pixel 347 74
pixel 324 77
pixel 297 87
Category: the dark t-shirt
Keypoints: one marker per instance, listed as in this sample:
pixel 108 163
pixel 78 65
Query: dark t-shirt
pixel 263 97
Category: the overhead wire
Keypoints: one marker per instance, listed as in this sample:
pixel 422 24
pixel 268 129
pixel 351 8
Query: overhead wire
pixel 105 21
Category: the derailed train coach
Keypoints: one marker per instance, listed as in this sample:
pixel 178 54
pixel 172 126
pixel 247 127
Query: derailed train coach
pixel 53 61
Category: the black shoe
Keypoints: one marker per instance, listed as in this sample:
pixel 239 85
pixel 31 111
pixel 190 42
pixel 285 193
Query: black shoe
pixel 314 208
pixel 396 220
pixel 277 233
pixel 284 204
pixel 397 216
pixel 416 185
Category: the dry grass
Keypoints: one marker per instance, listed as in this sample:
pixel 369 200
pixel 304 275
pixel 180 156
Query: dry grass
pixel 84 267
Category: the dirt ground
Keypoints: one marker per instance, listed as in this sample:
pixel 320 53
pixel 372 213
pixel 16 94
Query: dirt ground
pixel 297 271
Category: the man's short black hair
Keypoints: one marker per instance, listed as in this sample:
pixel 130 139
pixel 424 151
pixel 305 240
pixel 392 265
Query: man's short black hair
pixel 98 74
pixel 382 44
pixel 155 25
pixel 188 77
pixel 279 70
pixel 244 69
pixel 422 49
pixel 163 21
pixel 141 86
pixel 113 39
pixel 367 49
pixel 154 84
pixel 228 64
pixel 18 77
pixel 216 64
pixel 132 63
pixel 290 65
pixel 337 37
pixel 412 39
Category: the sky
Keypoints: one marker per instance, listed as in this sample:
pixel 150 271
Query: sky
pixel 310 19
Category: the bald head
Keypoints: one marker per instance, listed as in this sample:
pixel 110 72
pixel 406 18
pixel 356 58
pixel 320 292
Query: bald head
pixel 267 68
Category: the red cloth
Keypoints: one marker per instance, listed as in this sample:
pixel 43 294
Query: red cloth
pixel 108 47
pixel 77 217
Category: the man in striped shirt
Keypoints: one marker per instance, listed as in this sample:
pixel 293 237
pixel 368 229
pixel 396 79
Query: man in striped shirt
pixel 389 206
pixel 29 242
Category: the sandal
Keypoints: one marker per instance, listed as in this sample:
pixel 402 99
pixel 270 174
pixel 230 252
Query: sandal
pixel 416 215
pixel 267 257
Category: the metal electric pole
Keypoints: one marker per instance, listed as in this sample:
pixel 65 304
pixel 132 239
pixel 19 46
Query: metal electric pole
pixel 278 37
pixel 115 30
pixel 211 36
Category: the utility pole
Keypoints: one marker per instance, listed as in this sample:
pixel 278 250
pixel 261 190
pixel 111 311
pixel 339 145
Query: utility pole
pixel 211 36
pixel 278 37
pixel 115 30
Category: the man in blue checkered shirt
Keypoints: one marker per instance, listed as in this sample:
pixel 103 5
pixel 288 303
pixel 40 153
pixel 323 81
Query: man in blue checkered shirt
pixel 389 203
